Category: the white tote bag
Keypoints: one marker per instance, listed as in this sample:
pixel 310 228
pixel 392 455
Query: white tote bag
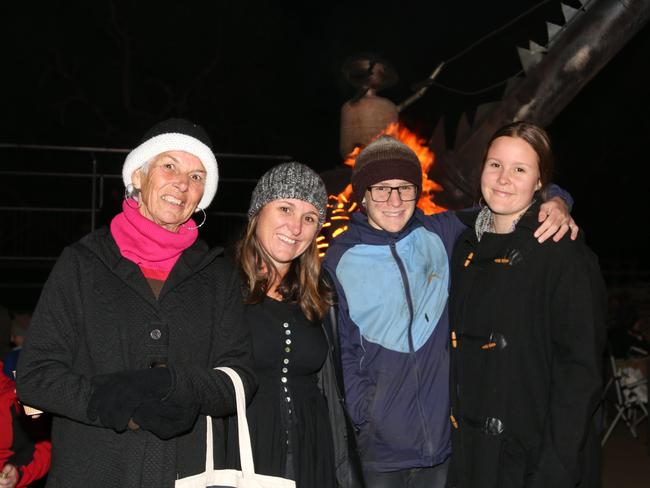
pixel 231 478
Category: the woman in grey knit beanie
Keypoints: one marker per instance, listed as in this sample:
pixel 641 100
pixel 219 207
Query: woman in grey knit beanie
pixel 278 253
pixel 286 300
pixel 290 180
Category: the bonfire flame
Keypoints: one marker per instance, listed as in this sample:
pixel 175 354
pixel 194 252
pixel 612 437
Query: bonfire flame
pixel 342 205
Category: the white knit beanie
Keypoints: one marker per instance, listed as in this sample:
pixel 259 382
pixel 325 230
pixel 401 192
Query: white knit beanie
pixel 176 135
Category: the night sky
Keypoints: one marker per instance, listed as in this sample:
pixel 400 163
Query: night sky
pixel 265 78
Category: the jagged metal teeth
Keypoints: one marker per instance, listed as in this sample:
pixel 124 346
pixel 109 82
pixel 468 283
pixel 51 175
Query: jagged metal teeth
pixel 552 30
pixel 529 58
pixel 463 130
pixel 569 12
pixel 439 139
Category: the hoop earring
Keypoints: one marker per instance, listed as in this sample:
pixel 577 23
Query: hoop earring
pixel 481 202
pixel 205 217
pixel 130 193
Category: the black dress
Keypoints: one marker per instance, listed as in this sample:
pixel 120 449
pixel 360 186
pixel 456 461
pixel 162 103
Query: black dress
pixel 288 416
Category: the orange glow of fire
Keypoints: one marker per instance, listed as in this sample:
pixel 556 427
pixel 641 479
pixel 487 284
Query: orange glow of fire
pixel 424 154
pixel 342 205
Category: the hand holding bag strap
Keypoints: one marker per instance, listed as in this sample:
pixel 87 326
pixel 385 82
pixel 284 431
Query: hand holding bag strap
pixel 245 450
pixel 246 478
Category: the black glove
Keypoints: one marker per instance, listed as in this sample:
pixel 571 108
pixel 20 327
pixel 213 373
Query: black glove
pixel 164 418
pixel 116 396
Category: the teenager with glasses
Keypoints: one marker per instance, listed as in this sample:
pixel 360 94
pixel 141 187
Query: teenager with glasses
pixel 391 273
pixel 381 193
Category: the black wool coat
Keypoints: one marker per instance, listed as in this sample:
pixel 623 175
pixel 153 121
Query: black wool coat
pixel 98 315
pixel 528 324
pixel 330 379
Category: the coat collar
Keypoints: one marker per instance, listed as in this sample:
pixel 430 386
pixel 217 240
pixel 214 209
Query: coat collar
pixel 527 221
pixel 362 232
pixel 192 260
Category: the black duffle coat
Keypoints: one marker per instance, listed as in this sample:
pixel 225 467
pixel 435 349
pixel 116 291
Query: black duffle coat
pixel 98 315
pixel 528 330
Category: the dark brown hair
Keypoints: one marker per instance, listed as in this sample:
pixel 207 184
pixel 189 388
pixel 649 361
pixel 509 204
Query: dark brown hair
pixel 302 284
pixel 538 139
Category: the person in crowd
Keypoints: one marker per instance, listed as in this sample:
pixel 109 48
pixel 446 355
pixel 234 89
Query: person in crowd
pixel 297 424
pixel 24 441
pixel 130 325
pixel 391 272
pixel 18 331
pixel 5 326
pixel 528 332
pixel 626 328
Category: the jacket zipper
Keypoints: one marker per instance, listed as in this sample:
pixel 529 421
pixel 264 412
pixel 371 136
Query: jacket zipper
pixel 409 302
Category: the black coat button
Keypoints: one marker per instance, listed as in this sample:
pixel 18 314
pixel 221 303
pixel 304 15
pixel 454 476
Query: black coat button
pixel 514 257
pixel 493 426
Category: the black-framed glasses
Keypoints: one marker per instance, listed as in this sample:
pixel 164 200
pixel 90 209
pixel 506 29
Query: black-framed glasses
pixel 381 193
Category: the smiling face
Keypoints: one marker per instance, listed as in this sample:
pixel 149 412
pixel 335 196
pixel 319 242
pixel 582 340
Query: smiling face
pixel 285 229
pixel 391 215
pixel 171 188
pixel 509 179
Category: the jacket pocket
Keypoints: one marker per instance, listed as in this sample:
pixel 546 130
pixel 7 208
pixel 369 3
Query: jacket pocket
pixel 365 426
pixel 394 425
pixel 486 460
pixel 512 464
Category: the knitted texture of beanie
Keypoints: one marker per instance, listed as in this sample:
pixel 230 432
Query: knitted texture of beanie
pixel 290 180
pixel 385 159
pixel 176 135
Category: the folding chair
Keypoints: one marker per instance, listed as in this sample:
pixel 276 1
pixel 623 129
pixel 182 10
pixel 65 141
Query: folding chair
pixel 624 394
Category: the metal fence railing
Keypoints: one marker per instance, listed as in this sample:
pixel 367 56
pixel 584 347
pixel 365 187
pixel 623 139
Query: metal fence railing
pixel 50 196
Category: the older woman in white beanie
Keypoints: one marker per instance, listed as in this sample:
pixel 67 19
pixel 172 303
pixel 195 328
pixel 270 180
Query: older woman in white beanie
pixel 131 323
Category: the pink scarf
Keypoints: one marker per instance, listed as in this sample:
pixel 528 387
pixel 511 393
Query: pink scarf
pixel 154 249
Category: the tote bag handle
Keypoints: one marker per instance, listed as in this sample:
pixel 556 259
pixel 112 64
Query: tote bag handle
pixel 244 478
pixel 245 450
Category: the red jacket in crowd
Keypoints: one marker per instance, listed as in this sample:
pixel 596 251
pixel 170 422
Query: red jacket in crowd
pixel 15 442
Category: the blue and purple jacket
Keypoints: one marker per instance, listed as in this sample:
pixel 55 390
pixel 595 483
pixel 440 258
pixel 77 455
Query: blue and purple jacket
pixel 394 332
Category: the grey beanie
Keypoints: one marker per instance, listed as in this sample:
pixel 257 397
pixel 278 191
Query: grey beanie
pixel 290 180
pixel 385 159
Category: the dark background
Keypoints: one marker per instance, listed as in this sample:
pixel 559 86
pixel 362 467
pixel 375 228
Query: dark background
pixel 264 77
